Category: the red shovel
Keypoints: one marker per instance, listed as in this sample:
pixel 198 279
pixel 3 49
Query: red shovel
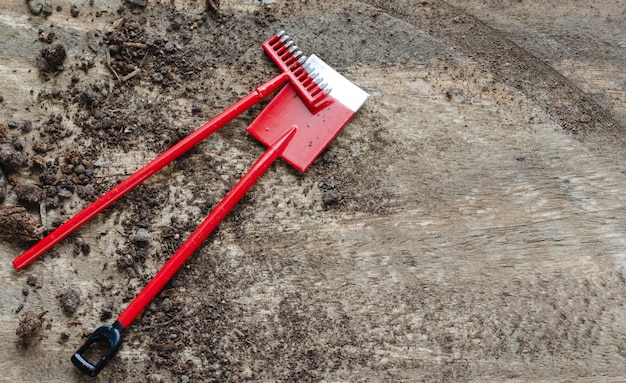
pixel 292 131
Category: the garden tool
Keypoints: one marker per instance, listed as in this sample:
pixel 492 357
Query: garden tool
pixel 291 129
pixel 289 59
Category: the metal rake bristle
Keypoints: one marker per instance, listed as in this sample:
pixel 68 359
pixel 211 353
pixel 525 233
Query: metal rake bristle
pixel 285 50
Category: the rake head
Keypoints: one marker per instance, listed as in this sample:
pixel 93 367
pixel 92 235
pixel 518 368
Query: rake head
pixel 308 83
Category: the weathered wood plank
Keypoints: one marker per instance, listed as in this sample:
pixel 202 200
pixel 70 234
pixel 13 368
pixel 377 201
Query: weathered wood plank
pixel 495 251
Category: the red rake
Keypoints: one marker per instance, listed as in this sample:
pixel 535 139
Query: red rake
pixel 296 125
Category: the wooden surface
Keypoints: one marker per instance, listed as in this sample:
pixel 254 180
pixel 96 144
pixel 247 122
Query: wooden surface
pixel 499 249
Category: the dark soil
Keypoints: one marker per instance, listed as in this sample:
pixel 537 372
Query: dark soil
pixel 28 194
pixel 50 60
pixel 29 326
pixel 70 301
pixel 18 222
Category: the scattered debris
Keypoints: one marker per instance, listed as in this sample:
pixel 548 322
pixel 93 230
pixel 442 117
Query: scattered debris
pixel 330 197
pixel 139 3
pixel 107 311
pixel 74 11
pixel 81 247
pixel 213 5
pixel 157 77
pixel 11 159
pixel 54 56
pixel 3 186
pixel 50 60
pixel 46 9
pixel 135 45
pixel 108 61
pixel 47 38
pixel 29 194
pixel 142 236
pixel 35 6
pixel 19 144
pixel 91 99
pixel 63 337
pixel 196 108
pixel 30 324
pixel 27 126
pixel 33 281
pixel 65 193
pixel 449 93
pixel 16 221
pixel 132 74
pixel 70 301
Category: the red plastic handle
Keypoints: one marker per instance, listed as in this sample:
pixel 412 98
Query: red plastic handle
pixel 144 173
pixel 206 227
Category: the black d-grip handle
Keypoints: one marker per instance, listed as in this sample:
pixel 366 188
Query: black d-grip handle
pixel 107 335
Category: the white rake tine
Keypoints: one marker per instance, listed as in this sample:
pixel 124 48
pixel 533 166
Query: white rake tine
pixel 318 78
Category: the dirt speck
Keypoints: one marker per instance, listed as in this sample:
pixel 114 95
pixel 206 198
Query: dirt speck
pixel 142 236
pixel 3 186
pixel 331 197
pixel 35 6
pixel 50 59
pixel 46 9
pixel 33 281
pixel 29 194
pixel 18 222
pixel 139 3
pixel 106 312
pixel 70 301
pixel 29 325
pixel 213 5
pixel 11 159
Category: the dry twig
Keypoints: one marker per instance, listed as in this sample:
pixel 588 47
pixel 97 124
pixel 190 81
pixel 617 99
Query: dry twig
pixel 109 64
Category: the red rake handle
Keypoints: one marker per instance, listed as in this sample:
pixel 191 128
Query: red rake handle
pixel 206 227
pixel 144 173
pixel 111 336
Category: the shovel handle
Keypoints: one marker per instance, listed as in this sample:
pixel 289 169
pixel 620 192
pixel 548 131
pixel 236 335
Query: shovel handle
pixel 204 229
pixel 111 336
pixel 148 170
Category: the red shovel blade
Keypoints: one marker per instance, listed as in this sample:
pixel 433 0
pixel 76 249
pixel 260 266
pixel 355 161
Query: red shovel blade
pixel 314 131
